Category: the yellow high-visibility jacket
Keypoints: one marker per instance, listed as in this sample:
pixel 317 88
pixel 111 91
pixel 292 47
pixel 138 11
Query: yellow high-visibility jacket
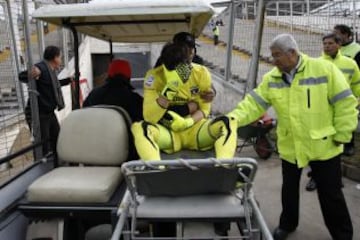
pixel 317 109
pixel 216 31
pixel 160 81
pixel 349 68
pixel 350 50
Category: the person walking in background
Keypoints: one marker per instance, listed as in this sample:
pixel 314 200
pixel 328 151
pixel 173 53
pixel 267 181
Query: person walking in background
pixel 351 49
pixel 316 114
pixel 332 53
pixel 216 33
pixel 50 96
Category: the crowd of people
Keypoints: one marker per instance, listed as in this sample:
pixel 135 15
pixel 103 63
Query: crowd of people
pixel 315 100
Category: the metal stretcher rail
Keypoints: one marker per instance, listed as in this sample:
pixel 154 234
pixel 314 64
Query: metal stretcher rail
pixel 137 197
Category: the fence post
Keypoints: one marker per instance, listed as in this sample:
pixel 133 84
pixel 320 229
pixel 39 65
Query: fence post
pixel 277 14
pixel 291 15
pixel 40 32
pixel 230 41
pixel 14 49
pixel 254 63
pixel 308 15
pixel 65 47
pixel 354 20
pixel 35 120
pixel 328 15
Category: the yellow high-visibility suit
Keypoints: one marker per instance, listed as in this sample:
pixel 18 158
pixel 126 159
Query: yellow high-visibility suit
pixel 152 135
pixel 349 68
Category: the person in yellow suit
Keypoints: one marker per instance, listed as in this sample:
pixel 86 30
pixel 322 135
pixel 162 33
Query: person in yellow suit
pixel 175 114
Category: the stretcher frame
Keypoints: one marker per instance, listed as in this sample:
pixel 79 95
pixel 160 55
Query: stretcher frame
pixel 253 223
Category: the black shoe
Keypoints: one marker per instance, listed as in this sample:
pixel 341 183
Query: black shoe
pixel 280 234
pixel 349 150
pixel 311 185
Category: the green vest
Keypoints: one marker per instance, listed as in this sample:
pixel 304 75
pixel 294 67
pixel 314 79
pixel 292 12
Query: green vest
pixel 350 50
pixel 216 31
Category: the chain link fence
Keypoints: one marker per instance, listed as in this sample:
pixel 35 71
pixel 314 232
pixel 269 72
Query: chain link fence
pixel 14 131
pixel 307 20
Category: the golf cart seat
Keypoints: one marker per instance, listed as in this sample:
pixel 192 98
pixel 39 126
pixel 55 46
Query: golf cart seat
pixel 92 145
pixel 96 140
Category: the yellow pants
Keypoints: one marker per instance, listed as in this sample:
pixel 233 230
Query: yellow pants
pixel 220 133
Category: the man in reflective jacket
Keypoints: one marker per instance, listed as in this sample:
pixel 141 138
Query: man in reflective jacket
pixel 316 113
pixel 349 48
pixel 332 53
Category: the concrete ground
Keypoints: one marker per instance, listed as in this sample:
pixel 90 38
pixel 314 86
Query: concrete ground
pixel 267 189
pixel 268 180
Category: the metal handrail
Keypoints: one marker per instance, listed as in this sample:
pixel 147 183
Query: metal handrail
pixel 20 152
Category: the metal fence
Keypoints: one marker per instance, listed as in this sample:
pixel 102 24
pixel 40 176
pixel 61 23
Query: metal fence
pixel 14 131
pixel 307 20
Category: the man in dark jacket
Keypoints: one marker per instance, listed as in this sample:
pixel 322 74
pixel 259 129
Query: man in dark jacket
pixel 118 91
pixel 50 96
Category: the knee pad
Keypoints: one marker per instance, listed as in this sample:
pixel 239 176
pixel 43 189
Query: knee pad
pixel 222 125
pixel 147 130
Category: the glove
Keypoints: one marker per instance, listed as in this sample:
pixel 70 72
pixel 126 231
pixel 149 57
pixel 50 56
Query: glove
pixel 179 123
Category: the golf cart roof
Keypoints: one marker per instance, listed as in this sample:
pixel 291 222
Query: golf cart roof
pixel 130 20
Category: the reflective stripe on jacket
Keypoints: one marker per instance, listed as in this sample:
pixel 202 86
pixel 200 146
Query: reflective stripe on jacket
pixel 317 109
pixel 349 68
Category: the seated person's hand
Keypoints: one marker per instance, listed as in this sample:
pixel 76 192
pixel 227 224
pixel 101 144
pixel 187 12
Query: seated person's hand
pixel 35 72
pixel 193 107
pixel 208 96
pixel 163 102
pixel 179 123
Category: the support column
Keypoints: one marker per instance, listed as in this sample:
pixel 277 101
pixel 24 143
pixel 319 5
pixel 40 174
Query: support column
pixel 230 41
pixel 35 121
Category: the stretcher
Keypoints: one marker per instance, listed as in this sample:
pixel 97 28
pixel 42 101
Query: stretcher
pixel 187 192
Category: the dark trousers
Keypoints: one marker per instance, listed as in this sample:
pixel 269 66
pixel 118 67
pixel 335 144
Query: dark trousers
pixel 351 143
pixel 216 40
pixel 49 128
pixel 327 175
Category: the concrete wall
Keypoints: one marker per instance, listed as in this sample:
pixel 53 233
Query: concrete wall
pixel 86 77
pixel 228 94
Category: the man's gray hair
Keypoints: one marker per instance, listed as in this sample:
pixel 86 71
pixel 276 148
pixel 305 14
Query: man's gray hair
pixel 285 42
